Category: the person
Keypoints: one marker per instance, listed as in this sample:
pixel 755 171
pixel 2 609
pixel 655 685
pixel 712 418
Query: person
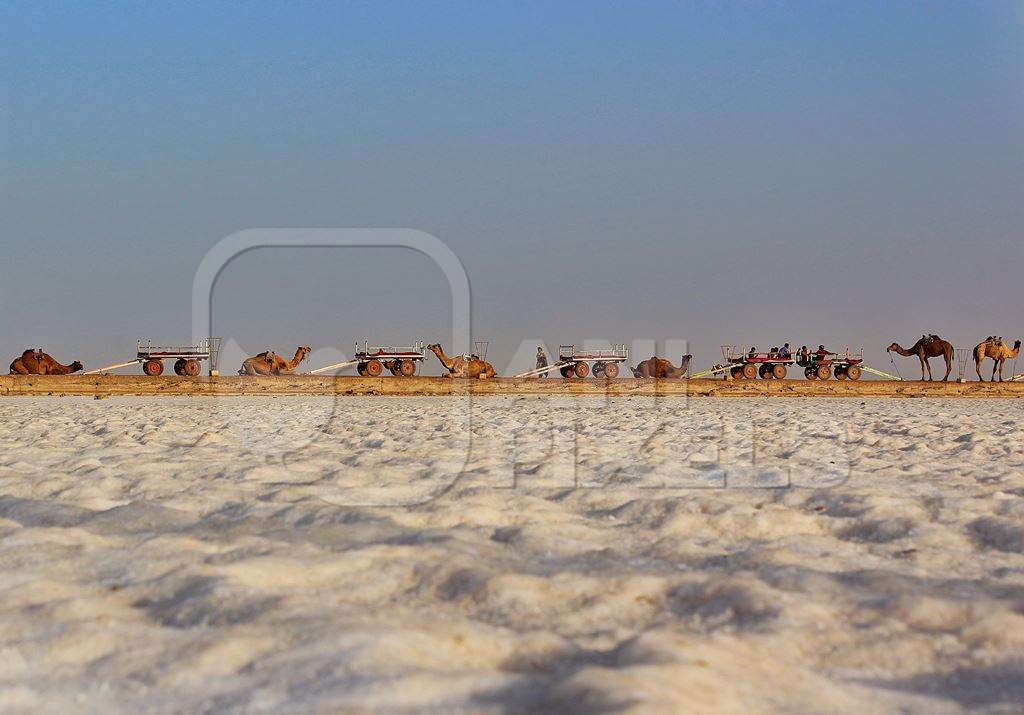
pixel 753 351
pixel 784 351
pixel 542 360
pixel 805 356
pixel 821 353
pixel 774 352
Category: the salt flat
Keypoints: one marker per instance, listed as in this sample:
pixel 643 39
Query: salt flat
pixel 505 554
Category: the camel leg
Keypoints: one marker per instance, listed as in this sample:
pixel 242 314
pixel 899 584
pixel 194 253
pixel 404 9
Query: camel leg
pixel 949 367
pixel 924 364
pixel 977 369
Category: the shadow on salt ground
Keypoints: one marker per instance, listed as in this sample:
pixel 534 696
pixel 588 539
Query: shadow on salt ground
pixel 970 687
pixel 541 687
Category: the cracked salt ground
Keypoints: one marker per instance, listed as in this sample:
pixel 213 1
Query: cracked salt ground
pixel 505 555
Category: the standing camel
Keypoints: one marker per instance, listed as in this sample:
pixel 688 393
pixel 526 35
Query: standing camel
pixel 36 362
pixel 462 365
pixel 270 363
pixel 999 351
pixel 658 368
pixel 928 346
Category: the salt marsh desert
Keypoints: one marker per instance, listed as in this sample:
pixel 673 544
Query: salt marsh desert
pixel 511 554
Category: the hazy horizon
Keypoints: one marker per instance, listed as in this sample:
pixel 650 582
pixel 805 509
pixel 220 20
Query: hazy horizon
pixel 847 175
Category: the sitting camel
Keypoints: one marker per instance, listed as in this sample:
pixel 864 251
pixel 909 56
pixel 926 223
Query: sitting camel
pixel 658 368
pixel 928 346
pixel 469 366
pixel 995 348
pixel 36 362
pixel 270 363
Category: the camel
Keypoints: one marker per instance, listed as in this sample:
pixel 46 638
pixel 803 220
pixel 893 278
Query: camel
pixel 928 346
pixel 36 362
pixel 270 363
pixel 999 351
pixel 469 366
pixel 658 368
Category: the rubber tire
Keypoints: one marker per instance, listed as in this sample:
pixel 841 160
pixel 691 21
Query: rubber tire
pixel 853 372
pixel 823 372
pixel 581 369
pixel 763 372
pixel 191 368
pixel 598 370
pixel 374 368
pixel 737 373
pixel 611 370
pixel 750 371
pixel 361 369
pixel 840 373
pixel 179 366
pixel 809 373
pixel 566 371
pixel 407 368
pixel 153 368
pixel 779 372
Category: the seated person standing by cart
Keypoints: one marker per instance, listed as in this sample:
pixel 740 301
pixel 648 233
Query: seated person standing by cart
pixel 784 351
pixel 821 353
pixel 805 356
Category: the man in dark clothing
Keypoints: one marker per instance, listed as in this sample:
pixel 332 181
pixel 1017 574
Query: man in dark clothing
pixel 542 361
pixel 784 351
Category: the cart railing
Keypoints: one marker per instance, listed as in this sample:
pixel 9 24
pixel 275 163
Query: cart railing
pixel 418 348
pixel 618 352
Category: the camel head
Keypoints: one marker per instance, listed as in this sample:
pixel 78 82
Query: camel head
pixel 77 366
pixel 636 371
pixel 305 351
pixel 893 347
pixel 433 347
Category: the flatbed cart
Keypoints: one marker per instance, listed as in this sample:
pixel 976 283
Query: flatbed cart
pixel 186 358
pixel 371 360
pixel 599 363
pixel 844 365
pixel 748 366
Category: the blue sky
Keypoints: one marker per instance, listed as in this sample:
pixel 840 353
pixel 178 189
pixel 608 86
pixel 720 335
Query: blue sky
pixel 748 173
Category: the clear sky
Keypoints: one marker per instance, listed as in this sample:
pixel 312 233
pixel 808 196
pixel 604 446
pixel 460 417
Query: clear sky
pixel 847 173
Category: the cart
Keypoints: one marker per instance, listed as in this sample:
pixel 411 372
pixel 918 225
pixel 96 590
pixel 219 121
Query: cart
pixel 186 358
pixel 599 363
pixel 844 365
pixel 372 360
pixel 401 361
pixel 750 365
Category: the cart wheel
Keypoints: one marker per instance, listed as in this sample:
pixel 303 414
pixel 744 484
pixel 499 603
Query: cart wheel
pixel 810 373
pixel 179 366
pixel 750 371
pixel 374 368
pixel 566 371
pixel 361 369
pixel 581 369
pixel 406 368
pixel 737 373
pixel 779 372
pixel 153 367
pixel 611 370
pixel 840 372
pixel 853 372
pixel 598 370
pixel 762 372
pixel 823 372
pixel 191 368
